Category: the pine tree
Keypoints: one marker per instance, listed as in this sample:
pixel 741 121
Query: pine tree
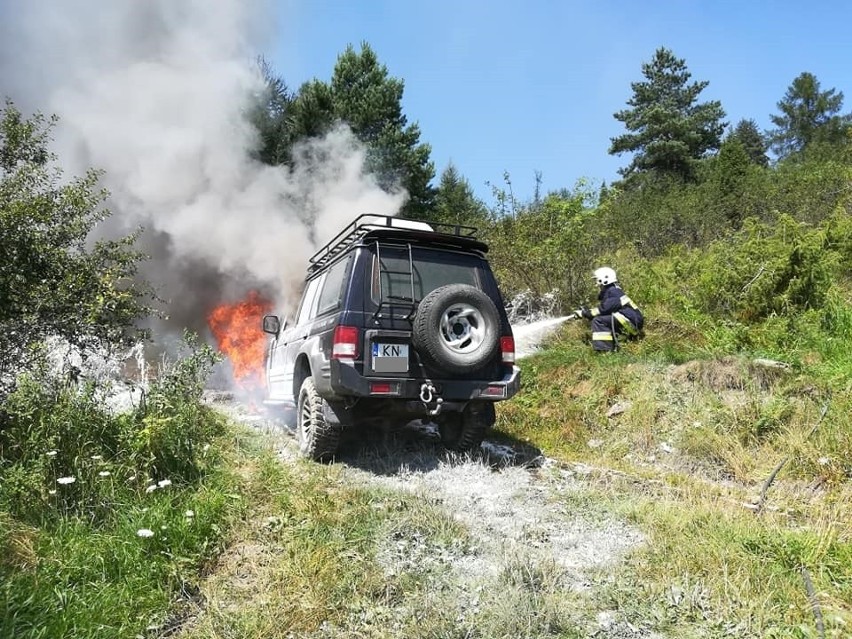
pixel 270 117
pixel 669 130
pixel 747 134
pixel 370 101
pixel 455 202
pixel 365 97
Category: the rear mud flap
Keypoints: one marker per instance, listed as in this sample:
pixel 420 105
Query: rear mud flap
pixel 335 413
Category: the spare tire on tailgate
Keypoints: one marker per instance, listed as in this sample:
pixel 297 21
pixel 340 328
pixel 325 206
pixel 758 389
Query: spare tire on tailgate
pixel 457 329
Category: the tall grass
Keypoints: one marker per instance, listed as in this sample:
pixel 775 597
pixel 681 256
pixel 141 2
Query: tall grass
pixel 106 519
pixel 703 425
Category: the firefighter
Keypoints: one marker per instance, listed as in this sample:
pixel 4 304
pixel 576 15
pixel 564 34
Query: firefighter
pixel 616 314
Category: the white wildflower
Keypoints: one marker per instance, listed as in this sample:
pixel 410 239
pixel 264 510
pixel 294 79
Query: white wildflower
pixel 823 461
pixel 144 532
pixel 66 480
pixel 205 448
pixel 51 453
pixel 51 492
pixel 189 514
pixel 151 488
pixel 103 473
pixel 97 457
pixel 165 482
pixel 131 478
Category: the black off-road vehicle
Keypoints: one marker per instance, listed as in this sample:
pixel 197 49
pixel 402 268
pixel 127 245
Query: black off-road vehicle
pixel 399 319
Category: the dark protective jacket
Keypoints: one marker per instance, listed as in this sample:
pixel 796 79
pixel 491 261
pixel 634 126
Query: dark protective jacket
pixel 613 301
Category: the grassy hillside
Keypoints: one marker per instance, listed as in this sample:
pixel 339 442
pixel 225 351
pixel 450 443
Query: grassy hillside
pixel 683 430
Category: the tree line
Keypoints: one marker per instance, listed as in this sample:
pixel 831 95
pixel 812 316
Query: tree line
pixel 669 133
pixel 691 178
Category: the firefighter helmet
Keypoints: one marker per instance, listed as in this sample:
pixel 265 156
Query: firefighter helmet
pixel 605 275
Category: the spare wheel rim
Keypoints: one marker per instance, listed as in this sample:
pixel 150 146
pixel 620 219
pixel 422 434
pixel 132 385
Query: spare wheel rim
pixel 462 328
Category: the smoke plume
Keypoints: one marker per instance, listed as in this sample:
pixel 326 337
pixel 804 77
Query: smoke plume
pixel 156 94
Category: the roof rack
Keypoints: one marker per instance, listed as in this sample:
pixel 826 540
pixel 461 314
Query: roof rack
pixel 368 222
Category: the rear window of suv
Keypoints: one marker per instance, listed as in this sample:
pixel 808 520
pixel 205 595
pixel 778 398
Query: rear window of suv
pixel 431 269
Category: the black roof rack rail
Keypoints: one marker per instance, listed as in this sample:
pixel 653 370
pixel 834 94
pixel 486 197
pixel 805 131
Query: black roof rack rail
pixel 367 222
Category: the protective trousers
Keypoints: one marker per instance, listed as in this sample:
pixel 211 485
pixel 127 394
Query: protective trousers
pixel 606 328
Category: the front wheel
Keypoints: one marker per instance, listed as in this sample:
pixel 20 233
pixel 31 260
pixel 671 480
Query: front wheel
pixel 317 437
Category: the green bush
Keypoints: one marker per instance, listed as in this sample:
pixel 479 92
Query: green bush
pixel 105 516
pixel 63 452
pixel 55 279
pixel 761 271
pixel 547 247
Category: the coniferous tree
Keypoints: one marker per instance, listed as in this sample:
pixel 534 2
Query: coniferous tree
pixel 370 101
pixel 732 169
pixel 747 134
pixel 270 117
pixel 312 111
pixel 808 116
pixel 362 95
pixel 668 129
pixel 455 202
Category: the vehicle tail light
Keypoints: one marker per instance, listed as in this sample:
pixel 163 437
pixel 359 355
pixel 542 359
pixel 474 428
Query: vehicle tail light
pixel 493 391
pixel 345 345
pixel 507 346
pixel 384 388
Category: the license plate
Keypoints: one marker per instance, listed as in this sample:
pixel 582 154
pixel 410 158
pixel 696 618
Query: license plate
pixel 390 358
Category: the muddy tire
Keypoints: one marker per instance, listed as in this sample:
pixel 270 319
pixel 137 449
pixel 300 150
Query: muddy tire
pixel 466 431
pixel 457 329
pixel 318 439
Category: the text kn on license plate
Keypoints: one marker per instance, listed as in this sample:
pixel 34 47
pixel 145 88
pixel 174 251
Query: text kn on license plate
pixel 390 358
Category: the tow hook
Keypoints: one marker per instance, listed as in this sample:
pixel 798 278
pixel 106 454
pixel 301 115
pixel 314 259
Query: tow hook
pixel 428 394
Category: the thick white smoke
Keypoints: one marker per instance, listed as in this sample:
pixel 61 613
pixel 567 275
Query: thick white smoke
pixel 155 93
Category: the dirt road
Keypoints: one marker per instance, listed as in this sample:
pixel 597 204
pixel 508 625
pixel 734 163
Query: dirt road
pixel 516 505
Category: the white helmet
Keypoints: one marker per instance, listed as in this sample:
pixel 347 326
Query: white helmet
pixel 605 275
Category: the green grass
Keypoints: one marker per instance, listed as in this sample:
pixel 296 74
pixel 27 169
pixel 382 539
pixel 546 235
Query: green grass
pixel 702 432
pixel 107 520
pixel 300 549
pixel 73 577
pixel 325 554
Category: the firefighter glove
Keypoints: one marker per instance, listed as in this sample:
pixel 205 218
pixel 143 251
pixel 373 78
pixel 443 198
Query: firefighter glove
pixel 586 313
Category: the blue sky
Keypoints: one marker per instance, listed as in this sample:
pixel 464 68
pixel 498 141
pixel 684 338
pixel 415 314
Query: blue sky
pixel 523 86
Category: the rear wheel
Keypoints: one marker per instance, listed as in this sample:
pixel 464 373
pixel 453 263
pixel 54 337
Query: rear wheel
pixel 465 431
pixel 318 438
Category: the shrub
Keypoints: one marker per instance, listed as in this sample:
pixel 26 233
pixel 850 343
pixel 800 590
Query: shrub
pixel 63 452
pixel 761 271
pixel 54 280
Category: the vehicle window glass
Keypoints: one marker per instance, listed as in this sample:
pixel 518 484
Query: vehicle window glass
pixel 431 270
pixel 329 298
pixel 309 300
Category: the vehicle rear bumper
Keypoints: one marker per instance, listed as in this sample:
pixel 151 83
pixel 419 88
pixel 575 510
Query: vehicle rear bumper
pixel 344 381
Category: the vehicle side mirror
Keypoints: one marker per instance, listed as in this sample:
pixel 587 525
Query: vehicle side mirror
pixel 271 324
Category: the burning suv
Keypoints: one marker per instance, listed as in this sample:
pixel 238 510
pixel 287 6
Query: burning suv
pixel 399 319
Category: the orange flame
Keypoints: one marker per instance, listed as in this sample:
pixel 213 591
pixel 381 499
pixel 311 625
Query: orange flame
pixel 238 333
